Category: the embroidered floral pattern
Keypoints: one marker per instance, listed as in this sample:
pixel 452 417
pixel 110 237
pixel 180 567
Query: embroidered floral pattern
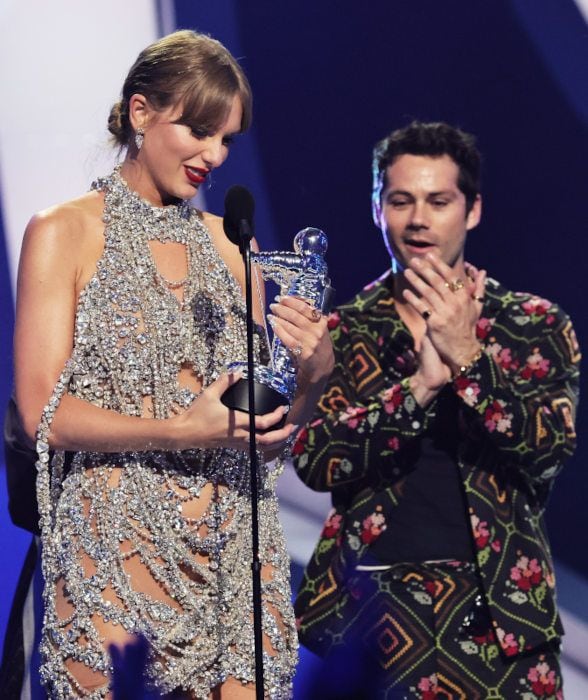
pixel 484 327
pixel 373 526
pixel 536 306
pixel 484 539
pixel 353 416
pixel 543 682
pixel 507 641
pixel 332 524
pixel 428 687
pixel 393 443
pixel 468 390
pixel 484 645
pixel 391 398
pixel 496 417
pixel 527 573
pixel 487 637
pixel 503 357
pixel 528 582
pixel 537 366
pixel 515 422
pixel 300 445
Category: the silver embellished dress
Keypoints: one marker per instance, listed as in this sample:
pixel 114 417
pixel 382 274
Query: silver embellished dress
pixel 157 543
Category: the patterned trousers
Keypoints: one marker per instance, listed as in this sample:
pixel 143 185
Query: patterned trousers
pixel 423 632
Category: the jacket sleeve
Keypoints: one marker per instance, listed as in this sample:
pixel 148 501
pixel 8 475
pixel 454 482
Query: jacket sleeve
pixel 522 393
pixel 350 431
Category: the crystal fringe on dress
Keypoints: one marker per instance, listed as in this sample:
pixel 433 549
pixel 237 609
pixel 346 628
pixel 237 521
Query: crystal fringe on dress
pixel 180 519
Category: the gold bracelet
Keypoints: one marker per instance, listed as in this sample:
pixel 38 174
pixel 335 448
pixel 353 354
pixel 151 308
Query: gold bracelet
pixel 464 369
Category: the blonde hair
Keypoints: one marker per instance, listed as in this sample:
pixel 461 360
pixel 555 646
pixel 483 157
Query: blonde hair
pixel 185 68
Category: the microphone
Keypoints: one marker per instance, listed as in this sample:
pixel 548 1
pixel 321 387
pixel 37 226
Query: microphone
pixel 238 217
pixel 241 396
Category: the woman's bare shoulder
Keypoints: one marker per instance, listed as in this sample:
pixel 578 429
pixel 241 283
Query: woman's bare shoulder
pixel 77 222
pixel 214 224
pixel 73 216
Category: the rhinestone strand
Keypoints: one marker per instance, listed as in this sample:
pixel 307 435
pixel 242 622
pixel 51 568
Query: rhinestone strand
pixel 132 337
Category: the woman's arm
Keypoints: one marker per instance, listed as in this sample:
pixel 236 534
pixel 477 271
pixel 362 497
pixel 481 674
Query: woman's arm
pixel 49 271
pixel 58 256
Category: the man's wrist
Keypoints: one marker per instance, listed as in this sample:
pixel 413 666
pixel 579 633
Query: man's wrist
pixel 458 369
pixel 422 393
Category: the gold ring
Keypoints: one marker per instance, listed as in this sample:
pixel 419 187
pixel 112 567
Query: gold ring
pixel 315 315
pixel 455 286
pixel 426 314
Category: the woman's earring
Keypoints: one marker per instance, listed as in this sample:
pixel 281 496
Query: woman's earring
pixel 139 136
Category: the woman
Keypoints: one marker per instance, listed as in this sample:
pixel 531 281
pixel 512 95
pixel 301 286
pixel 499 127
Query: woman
pixel 129 307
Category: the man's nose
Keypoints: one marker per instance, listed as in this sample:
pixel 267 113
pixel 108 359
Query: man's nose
pixel 418 216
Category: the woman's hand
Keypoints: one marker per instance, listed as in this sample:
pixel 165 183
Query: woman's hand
pixel 208 423
pixel 303 330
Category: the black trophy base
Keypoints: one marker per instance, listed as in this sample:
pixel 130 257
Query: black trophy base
pixel 266 399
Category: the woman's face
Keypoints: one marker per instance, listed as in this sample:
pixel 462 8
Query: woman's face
pixel 175 159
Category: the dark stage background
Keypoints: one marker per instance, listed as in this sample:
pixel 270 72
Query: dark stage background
pixel 330 78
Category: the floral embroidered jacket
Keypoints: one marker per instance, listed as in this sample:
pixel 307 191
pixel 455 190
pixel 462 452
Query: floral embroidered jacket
pixel 516 421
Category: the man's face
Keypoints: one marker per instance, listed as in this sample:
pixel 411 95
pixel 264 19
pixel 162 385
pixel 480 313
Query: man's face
pixel 423 210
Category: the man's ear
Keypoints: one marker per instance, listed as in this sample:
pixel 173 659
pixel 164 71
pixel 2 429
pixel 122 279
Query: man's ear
pixel 474 214
pixel 139 111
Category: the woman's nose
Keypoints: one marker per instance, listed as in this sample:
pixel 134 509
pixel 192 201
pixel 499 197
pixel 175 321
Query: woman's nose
pixel 214 153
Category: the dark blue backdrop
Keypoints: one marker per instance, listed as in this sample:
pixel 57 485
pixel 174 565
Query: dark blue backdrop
pixel 332 77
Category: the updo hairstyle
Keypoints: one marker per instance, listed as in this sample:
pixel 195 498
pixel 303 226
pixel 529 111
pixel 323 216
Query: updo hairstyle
pixel 185 68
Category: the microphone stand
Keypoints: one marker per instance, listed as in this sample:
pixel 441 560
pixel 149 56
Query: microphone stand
pixel 245 245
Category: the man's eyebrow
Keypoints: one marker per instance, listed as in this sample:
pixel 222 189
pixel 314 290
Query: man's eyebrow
pixel 442 193
pixel 406 193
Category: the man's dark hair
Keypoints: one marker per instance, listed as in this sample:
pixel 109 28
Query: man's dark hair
pixel 428 139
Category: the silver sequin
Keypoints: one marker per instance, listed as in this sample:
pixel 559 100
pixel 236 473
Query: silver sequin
pixel 132 336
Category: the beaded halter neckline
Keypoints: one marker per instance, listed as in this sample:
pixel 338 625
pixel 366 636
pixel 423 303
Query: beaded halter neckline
pixel 161 223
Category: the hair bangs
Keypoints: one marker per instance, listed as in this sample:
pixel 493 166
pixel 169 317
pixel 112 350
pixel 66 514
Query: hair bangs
pixel 207 102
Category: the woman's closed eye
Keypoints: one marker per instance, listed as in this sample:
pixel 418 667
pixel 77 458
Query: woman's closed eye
pixel 199 132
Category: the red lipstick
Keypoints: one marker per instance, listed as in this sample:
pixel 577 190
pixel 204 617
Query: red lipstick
pixel 196 175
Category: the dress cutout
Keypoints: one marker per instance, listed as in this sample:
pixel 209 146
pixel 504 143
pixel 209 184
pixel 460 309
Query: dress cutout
pixel 157 543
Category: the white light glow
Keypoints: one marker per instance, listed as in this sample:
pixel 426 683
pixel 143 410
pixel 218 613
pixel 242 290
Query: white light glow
pixel 62 65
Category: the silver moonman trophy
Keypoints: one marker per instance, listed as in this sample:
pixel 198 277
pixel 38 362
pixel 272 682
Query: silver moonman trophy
pixel 304 274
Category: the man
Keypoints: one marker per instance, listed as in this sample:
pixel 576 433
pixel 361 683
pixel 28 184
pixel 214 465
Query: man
pixel 447 417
